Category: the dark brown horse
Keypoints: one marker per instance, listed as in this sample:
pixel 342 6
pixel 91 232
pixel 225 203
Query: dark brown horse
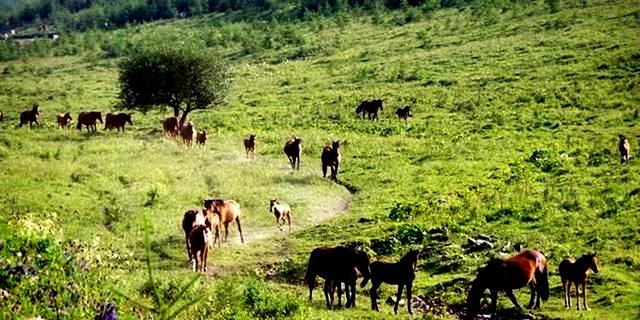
pixel 404 113
pixel 624 148
pixel 401 273
pixel 331 157
pixel 371 107
pixel 117 120
pixel 195 217
pixel 577 272
pixel 199 244
pixel 250 146
pixel 349 286
pixel 30 115
pixel 336 264
pixel 526 268
pixel 293 150
pixel 201 138
pixel 64 120
pixel 171 126
pixel 88 119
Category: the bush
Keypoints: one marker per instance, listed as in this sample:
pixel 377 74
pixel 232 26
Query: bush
pixel 385 246
pixel 266 303
pixel 405 211
pixel 410 234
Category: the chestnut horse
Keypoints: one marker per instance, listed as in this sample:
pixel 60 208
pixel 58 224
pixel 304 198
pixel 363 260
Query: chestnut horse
pixel 117 120
pixel 282 212
pixel 331 157
pixel 293 150
pixel 188 133
pixel 250 146
pixel 529 267
pixel 577 272
pixel 64 120
pixel 401 273
pixel 227 211
pixel 336 265
pixel 624 148
pixel 30 116
pixel 88 119
pixel 371 107
pixel 171 126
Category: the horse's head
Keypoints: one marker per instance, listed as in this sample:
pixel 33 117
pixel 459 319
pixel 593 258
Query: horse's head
pixel 407 109
pixel 207 204
pixel 128 118
pixel 203 136
pixel 335 144
pixel 36 109
pixel 99 116
pixel 360 107
pixel 252 137
pixel 362 264
pixel 412 258
pixel 380 103
pixel 297 140
pixel 217 205
pixel 592 261
pixel 272 202
pixel 621 137
pixel 67 116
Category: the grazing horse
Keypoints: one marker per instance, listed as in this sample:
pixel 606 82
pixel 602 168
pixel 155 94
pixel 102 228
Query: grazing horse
pixel 624 148
pixel 371 108
pixel 88 119
pixel 331 157
pixel 30 116
pixel 577 272
pixel 171 126
pixel 117 120
pixel 336 265
pixel 64 120
pixel 250 146
pixel 188 133
pixel 293 150
pixel 227 211
pixel 281 211
pixel 401 273
pixel 404 113
pixel 529 267
pixel 201 138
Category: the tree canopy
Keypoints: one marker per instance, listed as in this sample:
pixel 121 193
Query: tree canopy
pixel 176 76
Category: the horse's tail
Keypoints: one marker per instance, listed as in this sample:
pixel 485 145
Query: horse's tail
pixel 542 280
pixel 79 125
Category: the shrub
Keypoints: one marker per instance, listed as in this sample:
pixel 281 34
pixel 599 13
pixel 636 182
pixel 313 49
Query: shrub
pixel 385 246
pixel 405 211
pixel 410 234
pixel 266 303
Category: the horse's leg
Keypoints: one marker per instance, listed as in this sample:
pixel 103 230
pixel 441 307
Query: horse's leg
pixel 373 292
pixel 206 255
pixel 584 295
pixel 327 293
pixel 240 229
pixel 194 264
pixel 494 300
pixel 564 292
pixel 226 231
pixel 409 289
pixel 186 238
pixel 324 170
pixel 513 299
pixel 578 295
pixel 289 221
pixel 533 288
pixel 339 295
pixel 568 294
pixel 298 163
pixel 398 297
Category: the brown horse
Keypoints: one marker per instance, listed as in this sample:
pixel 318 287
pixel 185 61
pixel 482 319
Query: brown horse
pixel 529 267
pixel 117 120
pixel 201 138
pixel 64 120
pixel 336 264
pixel 371 107
pixel 194 217
pixel 331 157
pixel 250 146
pixel 171 126
pixel 293 150
pixel 401 273
pixel 282 212
pixel 577 272
pixel 199 241
pixel 404 113
pixel 30 115
pixel 624 148
pixel 188 133
pixel 88 119
pixel 349 286
pixel 227 211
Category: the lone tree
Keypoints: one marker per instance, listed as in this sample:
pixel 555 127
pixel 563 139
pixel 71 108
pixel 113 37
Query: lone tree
pixel 180 77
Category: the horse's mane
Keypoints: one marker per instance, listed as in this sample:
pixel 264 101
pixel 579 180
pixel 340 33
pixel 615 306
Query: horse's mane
pixel 410 256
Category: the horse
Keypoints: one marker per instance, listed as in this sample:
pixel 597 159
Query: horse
pixel 117 120
pixel 227 211
pixel 529 267
pixel 371 108
pixel 331 157
pixel 250 146
pixel 89 120
pixel 188 133
pixel 30 116
pixel 577 272
pixel 281 211
pixel 293 150
pixel 199 241
pixel 171 126
pixel 336 264
pixel 64 120
pixel 404 113
pixel 193 217
pixel 201 138
pixel 402 273
pixel 624 148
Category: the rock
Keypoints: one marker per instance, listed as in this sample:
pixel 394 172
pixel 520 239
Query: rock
pixel 475 245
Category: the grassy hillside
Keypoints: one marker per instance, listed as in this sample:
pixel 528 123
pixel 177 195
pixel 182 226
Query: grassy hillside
pixel 516 117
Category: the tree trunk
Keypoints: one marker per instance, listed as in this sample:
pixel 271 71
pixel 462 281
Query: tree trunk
pixel 176 110
pixel 184 117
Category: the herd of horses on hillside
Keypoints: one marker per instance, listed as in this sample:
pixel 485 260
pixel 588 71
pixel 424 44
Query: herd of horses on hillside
pixel 343 265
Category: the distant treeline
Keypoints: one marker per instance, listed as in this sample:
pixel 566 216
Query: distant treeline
pixel 86 14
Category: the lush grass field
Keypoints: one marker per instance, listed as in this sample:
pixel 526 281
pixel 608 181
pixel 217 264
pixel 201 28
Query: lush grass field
pixel 488 89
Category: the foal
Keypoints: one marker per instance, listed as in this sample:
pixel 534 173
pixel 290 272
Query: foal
pixel 250 146
pixel 404 113
pixel 371 107
pixel 401 273
pixel 624 148
pixel 64 120
pixel 282 213
pixel 293 150
pixel 331 157
pixel 30 115
pixel 577 272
